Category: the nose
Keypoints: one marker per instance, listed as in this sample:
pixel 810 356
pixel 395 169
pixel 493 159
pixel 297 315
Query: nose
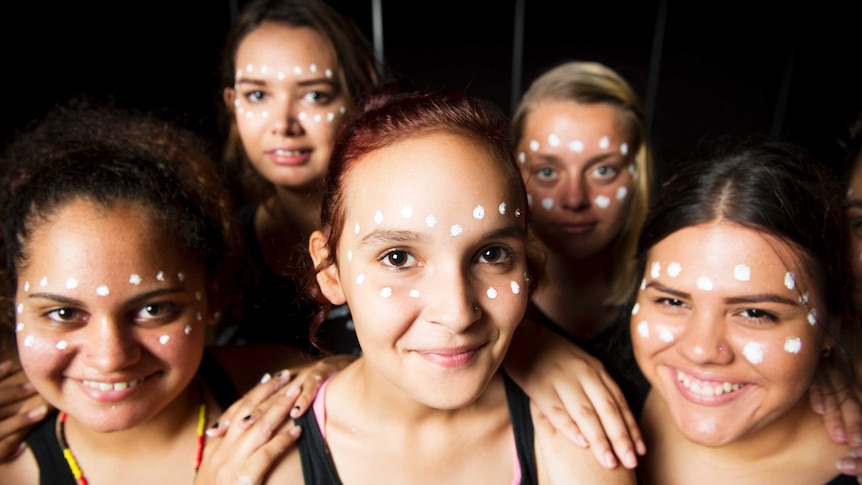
pixel 703 341
pixel 287 118
pixel 451 302
pixel 576 193
pixel 110 345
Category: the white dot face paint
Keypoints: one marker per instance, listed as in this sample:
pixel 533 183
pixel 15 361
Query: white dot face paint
pixel 502 208
pixel 517 212
pixel 665 335
pixel 356 228
pixel 386 292
pixel 26 286
pixel 328 73
pixel 704 283
pixel 479 212
pixel 812 317
pixel 407 212
pixel 71 283
pixel 643 329
pixel 534 145
pixel 360 278
pixel 602 201
pixel 547 203
pixel 624 149
pixel 516 288
pixel 187 329
pixel 29 341
pixel 431 221
pixel 302 116
pixel 643 284
pixel 753 352
pixel 741 272
pixel 576 146
pixel 790 280
pixel 413 294
pixel 622 192
pixel 103 291
pixel 20 308
pixel 164 339
pixel 604 143
pixel 349 255
pixel 492 293
pixel 636 309
pixel 378 217
pixel 522 157
pixel 330 116
pixel 135 279
pixel 181 277
pixel 297 70
pixel 553 140
pixel 803 298
pixel 61 345
pixel 674 269
pixel 456 230
pixel 312 68
pixel 160 276
pixel 792 345
pixel 43 282
pixel 19 327
pixel 655 270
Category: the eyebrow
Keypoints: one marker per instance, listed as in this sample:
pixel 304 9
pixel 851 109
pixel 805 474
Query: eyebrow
pixel 853 204
pixel 381 236
pixel 759 298
pixel 303 83
pixel 136 299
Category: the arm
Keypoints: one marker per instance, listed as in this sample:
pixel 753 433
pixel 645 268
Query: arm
pixel 575 393
pixel 21 408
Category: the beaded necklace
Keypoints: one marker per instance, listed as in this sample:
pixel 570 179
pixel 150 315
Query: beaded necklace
pixel 79 474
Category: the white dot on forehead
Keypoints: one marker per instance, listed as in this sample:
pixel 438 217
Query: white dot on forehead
pixel 456 230
pixel 135 279
pixel 71 283
pixel 516 288
pixel 492 293
pixel 312 67
pixel 704 283
pixel 378 217
pixel 655 269
pixel 20 308
pixel 502 208
pixel 665 335
pixel 297 70
pixel 249 67
pixel 44 281
pixel 386 292
pixel 522 157
pixel 19 327
pixel 187 329
pixel 29 341
pixel 26 286
pixel 741 272
pixel 602 201
pixel 349 255
pixel 636 309
pixel 181 276
pixel 553 140
pixel 790 280
pixel 643 329
pixel 103 291
pixel 61 345
pixel 413 294
pixel 624 148
pixel 792 345
pixel 673 269
pixel 406 212
pixel 356 228
pixel 548 203
pixel 622 192
pixel 264 69
pixel 576 146
pixel 430 221
pixel 604 142
pixel 164 339
pixel 360 278
pixel 753 351
pixel 479 212
pixel 328 73
pixel 534 145
pixel 812 316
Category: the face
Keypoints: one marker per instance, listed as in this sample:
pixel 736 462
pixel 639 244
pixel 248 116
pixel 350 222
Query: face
pixel 109 329
pixel 287 103
pixel 432 263
pixel 854 218
pixel 578 166
pixel 725 329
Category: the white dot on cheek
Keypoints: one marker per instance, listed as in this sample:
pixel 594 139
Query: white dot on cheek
pixel 636 309
pixel 29 341
pixel 61 345
pixel 812 317
pixel 792 345
pixel 753 352
pixel 548 203
pixel 164 339
pixel 674 269
pixel 330 116
pixel 356 228
pixel 665 335
pixel 643 329
pixel 187 329
pixel 516 288
pixel 789 280
pixel 602 201
pixel 479 212
pixel 704 283
pixel 19 327
pixel 522 157
pixel 492 293
pixel 71 283
pixel 386 292
pixel 349 255
pixel 20 308
pixel 413 294
pixel 360 278
pixel 622 192
pixel 741 272
pixel 26 286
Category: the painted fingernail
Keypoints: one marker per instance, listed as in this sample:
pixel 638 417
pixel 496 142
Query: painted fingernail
pixel 846 465
pixel 246 418
pixel 213 430
pixel 266 377
pixel 38 413
pixel 610 460
pixel 295 412
pixel 215 425
pixel 283 374
pixel 292 391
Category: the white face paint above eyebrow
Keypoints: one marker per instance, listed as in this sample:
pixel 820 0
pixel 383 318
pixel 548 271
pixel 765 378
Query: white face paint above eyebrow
pixel 430 221
pixel 643 329
pixel 812 316
pixel 576 146
pixel 378 217
pixel 407 212
pixel 741 272
pixel 674 269
pixel 753 351
pixel 164 339
pixel 29 341
pixel 655 270
pixel 492 293
pixel 19 327
pixel 516 288
pixel 297 70
pixel 360 278
pixel 547 203
pixel 26 286
pixel 502 208
pixel 790 280
pixel 636 309
pixel 456 230
pixel 622 192
pixel 413 294
pixel 135 279
pixel 704 283
pixel 604 143
pixel 386 292
pixel 665 335
pixel 312 68
pixel 61 345
pixel 534 145
pixel 71 283
pixel 522 157
pixel 328 73
pixel 803 298
pixel 793 345
pixel 356 228
pixel 103 291
pixel 187 329
pixel 44 281
pixel 553 140
pixel 20 308
pixel 624 149
pixel 602 201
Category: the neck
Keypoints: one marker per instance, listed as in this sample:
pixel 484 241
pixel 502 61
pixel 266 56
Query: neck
pixel 301 208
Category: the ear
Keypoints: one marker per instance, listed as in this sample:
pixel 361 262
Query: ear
pixel 229 95
pixel 327 278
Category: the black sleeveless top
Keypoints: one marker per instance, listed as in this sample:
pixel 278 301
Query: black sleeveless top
pixel 319 469
pixel 53 469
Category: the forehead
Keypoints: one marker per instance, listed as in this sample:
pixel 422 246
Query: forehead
pixel 439 171
pixel 572 120
pixel 281 48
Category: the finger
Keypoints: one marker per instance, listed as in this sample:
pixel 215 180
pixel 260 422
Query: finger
pixel 12 395
pixel 245 405
pixel 815 398
pixel 306 395
pixel 13 445
pixel 851 415
pixel 832 417
pixel 12 425
pixel 850 465
pixel 262 428
pixel 7 367
pixel 260 463
pixel 631 423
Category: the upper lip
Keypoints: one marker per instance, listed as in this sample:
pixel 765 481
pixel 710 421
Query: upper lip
pixel 461 349
pixel 706 376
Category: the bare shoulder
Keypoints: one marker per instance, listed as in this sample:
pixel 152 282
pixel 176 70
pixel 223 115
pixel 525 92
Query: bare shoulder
pixel 288 469
pixel 246 364
pixel 22 470
pixel 559 461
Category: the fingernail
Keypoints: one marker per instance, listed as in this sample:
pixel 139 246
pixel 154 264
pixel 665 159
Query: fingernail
pixel 857 440
pixel 226 423
pixel 27 387
pixel 246 418
pixel 38 413
pixel 292 391
pixel 630 460
pixel 5 365
pixel 295 431
pixel 283 374
pixel 819 408
pixel 215 425
pixel 641 447
pixel 582 441
pixel 266 377
pixel 294 413
pixel 840 435
pixel 213 430
pixel 846 465
pixel 610 460
pixel 853 453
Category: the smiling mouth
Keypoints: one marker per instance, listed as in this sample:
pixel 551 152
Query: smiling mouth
pixel 112 386
pixel 703 388
pixel 288 153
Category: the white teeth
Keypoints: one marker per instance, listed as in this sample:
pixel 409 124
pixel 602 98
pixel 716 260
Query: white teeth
pixel 116 386
pixel 706 390
pixel 288 153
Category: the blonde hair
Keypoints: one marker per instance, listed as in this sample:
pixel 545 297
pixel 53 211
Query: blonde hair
pixel 594 83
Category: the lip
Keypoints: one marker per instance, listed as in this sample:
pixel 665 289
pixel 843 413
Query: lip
pixel 451 357
pixel 707 389
pixel 114 389
pixel 289 155
pixel 577 228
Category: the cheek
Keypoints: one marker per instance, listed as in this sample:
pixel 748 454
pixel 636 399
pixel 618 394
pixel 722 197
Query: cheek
pixel 786 355
pixel 652 332
pixel 856 257
pixel 42 354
